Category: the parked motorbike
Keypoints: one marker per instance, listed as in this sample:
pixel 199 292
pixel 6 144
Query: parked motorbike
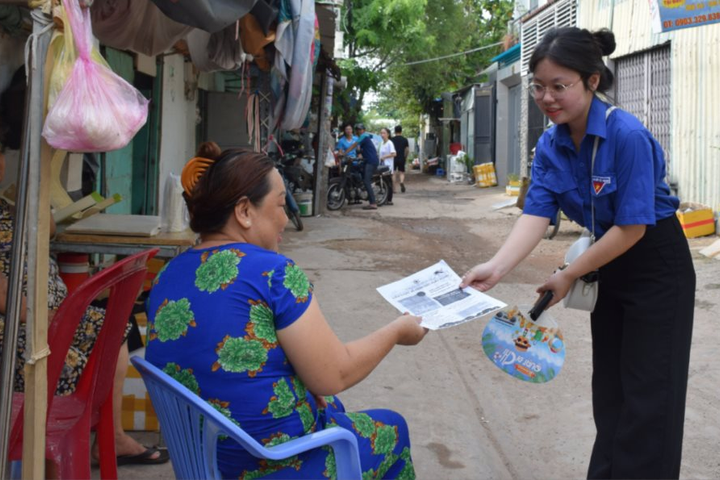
pixel 350 186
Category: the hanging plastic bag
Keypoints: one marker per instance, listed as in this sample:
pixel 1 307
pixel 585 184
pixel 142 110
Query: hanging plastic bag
pixel 330 160
pixel 96 110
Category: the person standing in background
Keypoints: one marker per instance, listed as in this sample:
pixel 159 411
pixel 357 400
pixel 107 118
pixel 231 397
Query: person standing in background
pixel 346 140
pixel 402 147
pixel 387 156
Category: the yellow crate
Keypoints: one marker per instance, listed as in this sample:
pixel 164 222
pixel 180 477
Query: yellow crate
pixel 697 222
pixel 137 411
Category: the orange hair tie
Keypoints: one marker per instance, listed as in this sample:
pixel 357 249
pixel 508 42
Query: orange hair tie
pixel 193 170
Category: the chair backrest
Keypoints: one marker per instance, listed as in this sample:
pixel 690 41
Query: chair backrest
pixel 124 279
pixel 191 427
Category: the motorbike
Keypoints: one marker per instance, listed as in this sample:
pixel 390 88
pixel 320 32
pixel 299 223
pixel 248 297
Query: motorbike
pixel 349 185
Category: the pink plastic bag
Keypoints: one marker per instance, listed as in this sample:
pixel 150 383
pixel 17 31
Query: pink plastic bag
pixel 96 111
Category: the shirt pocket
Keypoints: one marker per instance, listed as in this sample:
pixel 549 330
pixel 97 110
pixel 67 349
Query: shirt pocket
pixel 559 182
pixel 603 184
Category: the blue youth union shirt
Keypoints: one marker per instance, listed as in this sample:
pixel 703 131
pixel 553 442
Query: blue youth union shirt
pixel 343 144
pixel 628 182
pixel 367 147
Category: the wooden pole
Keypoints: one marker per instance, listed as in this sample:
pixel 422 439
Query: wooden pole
pixel 324 142
pixel 38 220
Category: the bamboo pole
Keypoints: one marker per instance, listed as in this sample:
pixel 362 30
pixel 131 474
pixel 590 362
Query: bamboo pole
pixel 38 243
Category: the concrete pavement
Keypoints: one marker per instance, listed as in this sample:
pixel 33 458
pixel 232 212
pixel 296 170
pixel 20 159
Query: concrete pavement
pixel 468 420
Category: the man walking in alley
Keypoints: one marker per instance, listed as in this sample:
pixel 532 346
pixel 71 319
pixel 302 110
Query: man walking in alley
pixel 402 148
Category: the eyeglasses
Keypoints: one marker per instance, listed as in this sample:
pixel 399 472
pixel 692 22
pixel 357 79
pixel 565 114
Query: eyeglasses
pixel 557 90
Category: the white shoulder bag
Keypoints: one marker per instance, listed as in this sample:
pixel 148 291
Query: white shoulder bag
pixel 584 292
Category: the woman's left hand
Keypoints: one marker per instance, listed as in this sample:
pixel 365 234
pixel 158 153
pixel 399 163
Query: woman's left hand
pixel 560 283
pixel 320 401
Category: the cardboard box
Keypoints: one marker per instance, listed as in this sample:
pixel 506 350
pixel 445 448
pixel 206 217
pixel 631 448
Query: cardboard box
pixel 697 220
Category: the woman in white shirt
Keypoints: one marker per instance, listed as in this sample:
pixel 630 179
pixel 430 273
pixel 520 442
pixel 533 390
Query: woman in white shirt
pixel 387 156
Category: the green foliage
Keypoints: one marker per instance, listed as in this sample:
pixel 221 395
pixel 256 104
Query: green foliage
pixel 384 35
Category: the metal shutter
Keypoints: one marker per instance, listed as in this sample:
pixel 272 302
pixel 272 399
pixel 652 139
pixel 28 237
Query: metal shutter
pixel 643 89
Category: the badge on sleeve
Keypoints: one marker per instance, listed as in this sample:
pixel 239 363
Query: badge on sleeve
pixel 599 183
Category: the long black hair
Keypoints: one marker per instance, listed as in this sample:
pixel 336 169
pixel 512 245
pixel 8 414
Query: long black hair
pixel 579 50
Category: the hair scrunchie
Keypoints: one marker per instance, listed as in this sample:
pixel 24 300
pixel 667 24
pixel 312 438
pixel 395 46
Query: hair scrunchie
pixel 192 171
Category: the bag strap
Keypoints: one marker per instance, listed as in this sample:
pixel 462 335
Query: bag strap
pixel 592 170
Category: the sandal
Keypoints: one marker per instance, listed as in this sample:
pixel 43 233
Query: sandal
pixel 145 458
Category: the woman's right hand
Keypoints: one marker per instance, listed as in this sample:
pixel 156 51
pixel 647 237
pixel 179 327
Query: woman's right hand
pixel 481 277
pixel 409 330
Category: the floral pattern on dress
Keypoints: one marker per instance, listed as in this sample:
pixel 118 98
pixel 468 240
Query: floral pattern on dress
pixel 218 270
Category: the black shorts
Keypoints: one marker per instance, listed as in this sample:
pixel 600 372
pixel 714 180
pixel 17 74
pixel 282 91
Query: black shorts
pixel 399 164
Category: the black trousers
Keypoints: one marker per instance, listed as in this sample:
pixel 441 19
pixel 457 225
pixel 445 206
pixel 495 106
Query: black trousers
pixel 641 334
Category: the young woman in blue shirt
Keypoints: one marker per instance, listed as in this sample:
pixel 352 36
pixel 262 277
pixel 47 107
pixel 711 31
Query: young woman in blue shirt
pixel 642 322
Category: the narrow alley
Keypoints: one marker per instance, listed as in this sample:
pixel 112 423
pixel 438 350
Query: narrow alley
pixel 468 420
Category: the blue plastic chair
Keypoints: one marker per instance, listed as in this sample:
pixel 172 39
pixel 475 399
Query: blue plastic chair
pixel 191 427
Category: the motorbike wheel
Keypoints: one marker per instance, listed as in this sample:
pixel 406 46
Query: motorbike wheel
pixel 381 191
pixel 335 197
pixel 294 218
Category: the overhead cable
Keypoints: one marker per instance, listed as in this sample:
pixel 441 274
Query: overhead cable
pixel 451 55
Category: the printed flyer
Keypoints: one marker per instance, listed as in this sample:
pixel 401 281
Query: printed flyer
pixel 434 294
pixel 531 351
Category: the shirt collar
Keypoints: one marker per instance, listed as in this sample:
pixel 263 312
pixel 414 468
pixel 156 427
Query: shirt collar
pixel 596 125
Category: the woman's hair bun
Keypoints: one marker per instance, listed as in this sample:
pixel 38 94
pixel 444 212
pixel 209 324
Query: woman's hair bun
pixel 209 150
pixel 605 40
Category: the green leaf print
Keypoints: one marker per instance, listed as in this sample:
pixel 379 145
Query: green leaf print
pixel 240 355
pixel 306 416
pixel 386 439
pixel 184 377
pixel 222 407
pixel 369 475
pixel 300 389
pixel 407 472
pixel 277 439
pixel 283 403
pixel 330 465
pixel 172 320
pixel 362 423
pixel 263 322
pixel 386 465
pixel 218 271
pixel 405 454
pixel 297 282
pixel 269 275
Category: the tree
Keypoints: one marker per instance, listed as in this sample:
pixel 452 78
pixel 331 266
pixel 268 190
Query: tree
pixel 385 37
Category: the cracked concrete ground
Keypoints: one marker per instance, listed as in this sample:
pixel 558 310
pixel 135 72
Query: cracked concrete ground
pixel 467 419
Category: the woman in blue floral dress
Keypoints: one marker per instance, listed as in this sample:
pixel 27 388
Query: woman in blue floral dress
pixel 237 323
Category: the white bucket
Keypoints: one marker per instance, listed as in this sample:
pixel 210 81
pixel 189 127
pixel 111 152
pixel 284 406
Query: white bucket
pixel 304 203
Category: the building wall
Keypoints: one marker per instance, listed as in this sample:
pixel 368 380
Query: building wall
pixel 695 105
pixel 178 122
pixel 506 78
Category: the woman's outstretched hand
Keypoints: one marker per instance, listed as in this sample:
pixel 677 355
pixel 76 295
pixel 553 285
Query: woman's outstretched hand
pixel 409 330
pixel 481 277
